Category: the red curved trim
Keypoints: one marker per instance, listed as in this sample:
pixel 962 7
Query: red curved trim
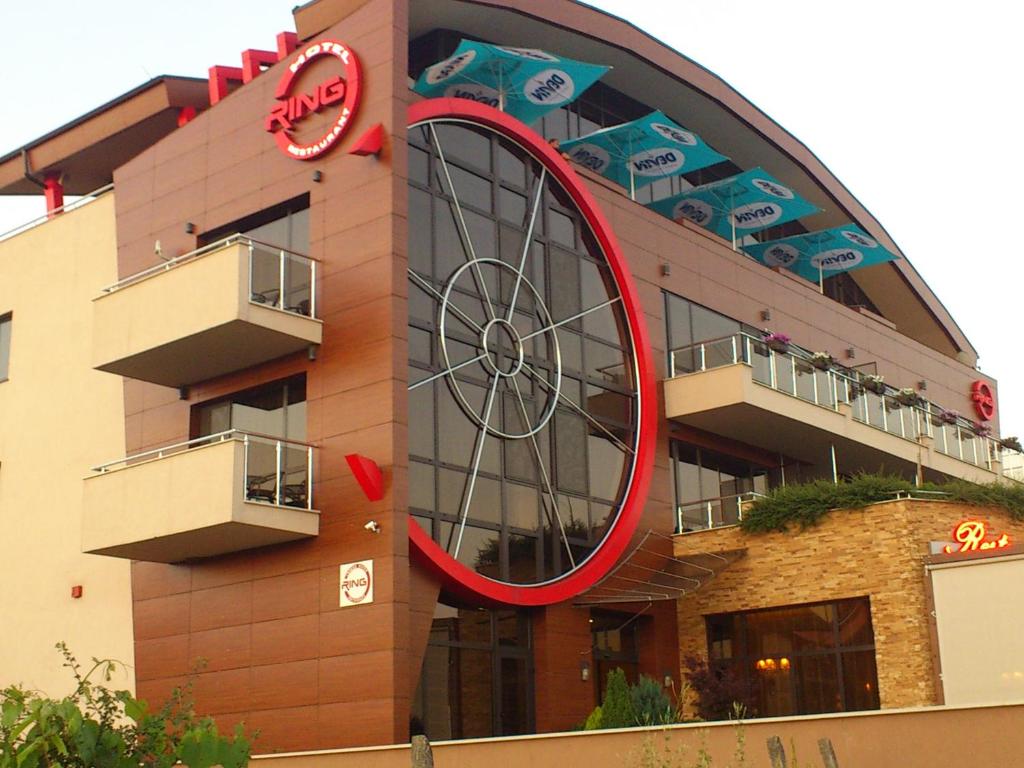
pixel 457 578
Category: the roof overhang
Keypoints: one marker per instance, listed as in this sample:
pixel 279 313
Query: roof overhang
pixel 87 150
pixel 709 106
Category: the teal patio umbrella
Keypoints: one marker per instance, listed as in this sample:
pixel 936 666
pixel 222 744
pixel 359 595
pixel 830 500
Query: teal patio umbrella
pixel 524 82
pixel 640 152
pixel 737 206
pixel 817 255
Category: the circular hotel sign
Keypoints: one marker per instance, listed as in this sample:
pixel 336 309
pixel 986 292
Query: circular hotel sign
pixel 531 388
pixel 339 92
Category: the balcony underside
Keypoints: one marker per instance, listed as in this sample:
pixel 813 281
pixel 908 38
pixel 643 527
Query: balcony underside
pixel 273 525
pixel 727 401
pixel 196 320
pixel 188 505
pixel 216 351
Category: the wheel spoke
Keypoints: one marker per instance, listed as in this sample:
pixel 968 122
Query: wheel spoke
pixel 447 371
pixel 544 475
pixel 470 322
pixel 477 454
pixel 565 398
pixel 463 229
pixel 526 244
pixel 577 316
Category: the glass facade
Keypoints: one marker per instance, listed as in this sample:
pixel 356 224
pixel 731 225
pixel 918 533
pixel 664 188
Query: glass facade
pixel 477 675
pixel 800 660
pixel 708 484
pixel 522 382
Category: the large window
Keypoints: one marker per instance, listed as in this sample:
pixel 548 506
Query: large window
pixel 708 485
pixel 688 324
pixel 5 346
pixel 277 410
pixel 274 418
pixel 523 426
pixel 477 675
pixel 802 659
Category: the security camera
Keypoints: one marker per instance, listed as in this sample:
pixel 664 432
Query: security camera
pixel 373 526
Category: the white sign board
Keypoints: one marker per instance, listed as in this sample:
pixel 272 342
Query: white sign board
pixel 356 583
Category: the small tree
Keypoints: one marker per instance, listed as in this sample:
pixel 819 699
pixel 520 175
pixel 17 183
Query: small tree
pixel 96 727
pixel 718 692
pixel 616 709
pixel 651 705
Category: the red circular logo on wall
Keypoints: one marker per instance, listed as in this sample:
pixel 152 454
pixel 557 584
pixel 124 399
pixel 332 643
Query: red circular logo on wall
pixel 984 400
pixel 292 107
pixel 356 583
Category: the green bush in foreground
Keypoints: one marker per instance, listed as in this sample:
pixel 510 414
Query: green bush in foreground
pixel 805 504
pixel 96 727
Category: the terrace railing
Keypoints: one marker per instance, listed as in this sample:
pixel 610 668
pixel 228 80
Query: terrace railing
pixel 795 372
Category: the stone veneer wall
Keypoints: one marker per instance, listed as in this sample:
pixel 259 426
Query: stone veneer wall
pixel 877 551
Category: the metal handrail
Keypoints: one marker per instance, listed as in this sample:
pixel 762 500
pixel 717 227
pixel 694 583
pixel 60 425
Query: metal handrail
pixel 198 253
pixel 708 505
pixel 49 215
pixel 252 485
pixel 217 437
pixel 840 374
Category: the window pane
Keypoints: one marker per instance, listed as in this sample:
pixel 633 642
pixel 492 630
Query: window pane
pixel 860 680
pixel 5 346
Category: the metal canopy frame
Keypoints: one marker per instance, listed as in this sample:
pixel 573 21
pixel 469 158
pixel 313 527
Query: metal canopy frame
pixel 651 572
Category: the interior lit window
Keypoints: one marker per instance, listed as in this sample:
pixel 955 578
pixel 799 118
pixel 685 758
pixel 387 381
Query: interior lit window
pixel 802 659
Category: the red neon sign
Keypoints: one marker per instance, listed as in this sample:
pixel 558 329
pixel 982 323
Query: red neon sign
pixel 984 400
pixel 292 107
pixel 971 536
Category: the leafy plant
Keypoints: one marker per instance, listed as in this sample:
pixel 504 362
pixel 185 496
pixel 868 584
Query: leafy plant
pixel 718 691
pixel 95 727
pixel 806 504
pixel 1012 444
pixel 616 709
pixel 651 705
pixel 594 720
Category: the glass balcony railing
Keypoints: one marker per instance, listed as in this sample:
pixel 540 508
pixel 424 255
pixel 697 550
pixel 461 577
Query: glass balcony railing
pixel 275 471
pixel 278 277
pixel 796 372
pixel 713 513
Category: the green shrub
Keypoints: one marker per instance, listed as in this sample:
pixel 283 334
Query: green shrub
pixel 616 709
pixel 806 504
pixel 96 727
pixel 651 705
pixel 593 721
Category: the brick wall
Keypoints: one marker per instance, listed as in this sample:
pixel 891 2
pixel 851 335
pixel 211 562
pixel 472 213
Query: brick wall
pixel 877 551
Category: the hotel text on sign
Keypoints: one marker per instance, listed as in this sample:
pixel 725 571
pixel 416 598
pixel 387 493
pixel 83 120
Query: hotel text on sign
pixel 339 91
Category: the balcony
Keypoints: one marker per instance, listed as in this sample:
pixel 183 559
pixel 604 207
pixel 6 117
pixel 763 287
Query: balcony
pixel 231 305
pixel 781 401
pixel 224 493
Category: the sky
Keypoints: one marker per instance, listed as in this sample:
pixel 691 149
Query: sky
pixel 912 105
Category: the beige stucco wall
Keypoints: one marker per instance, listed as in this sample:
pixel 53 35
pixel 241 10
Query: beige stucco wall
pixel 979 609
pixel 57 418
pixel 878 551
pixel 980 737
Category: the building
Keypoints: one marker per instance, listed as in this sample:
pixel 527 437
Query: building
pixel 324 461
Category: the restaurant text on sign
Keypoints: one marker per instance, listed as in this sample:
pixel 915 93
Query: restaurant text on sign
pixel 972 536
